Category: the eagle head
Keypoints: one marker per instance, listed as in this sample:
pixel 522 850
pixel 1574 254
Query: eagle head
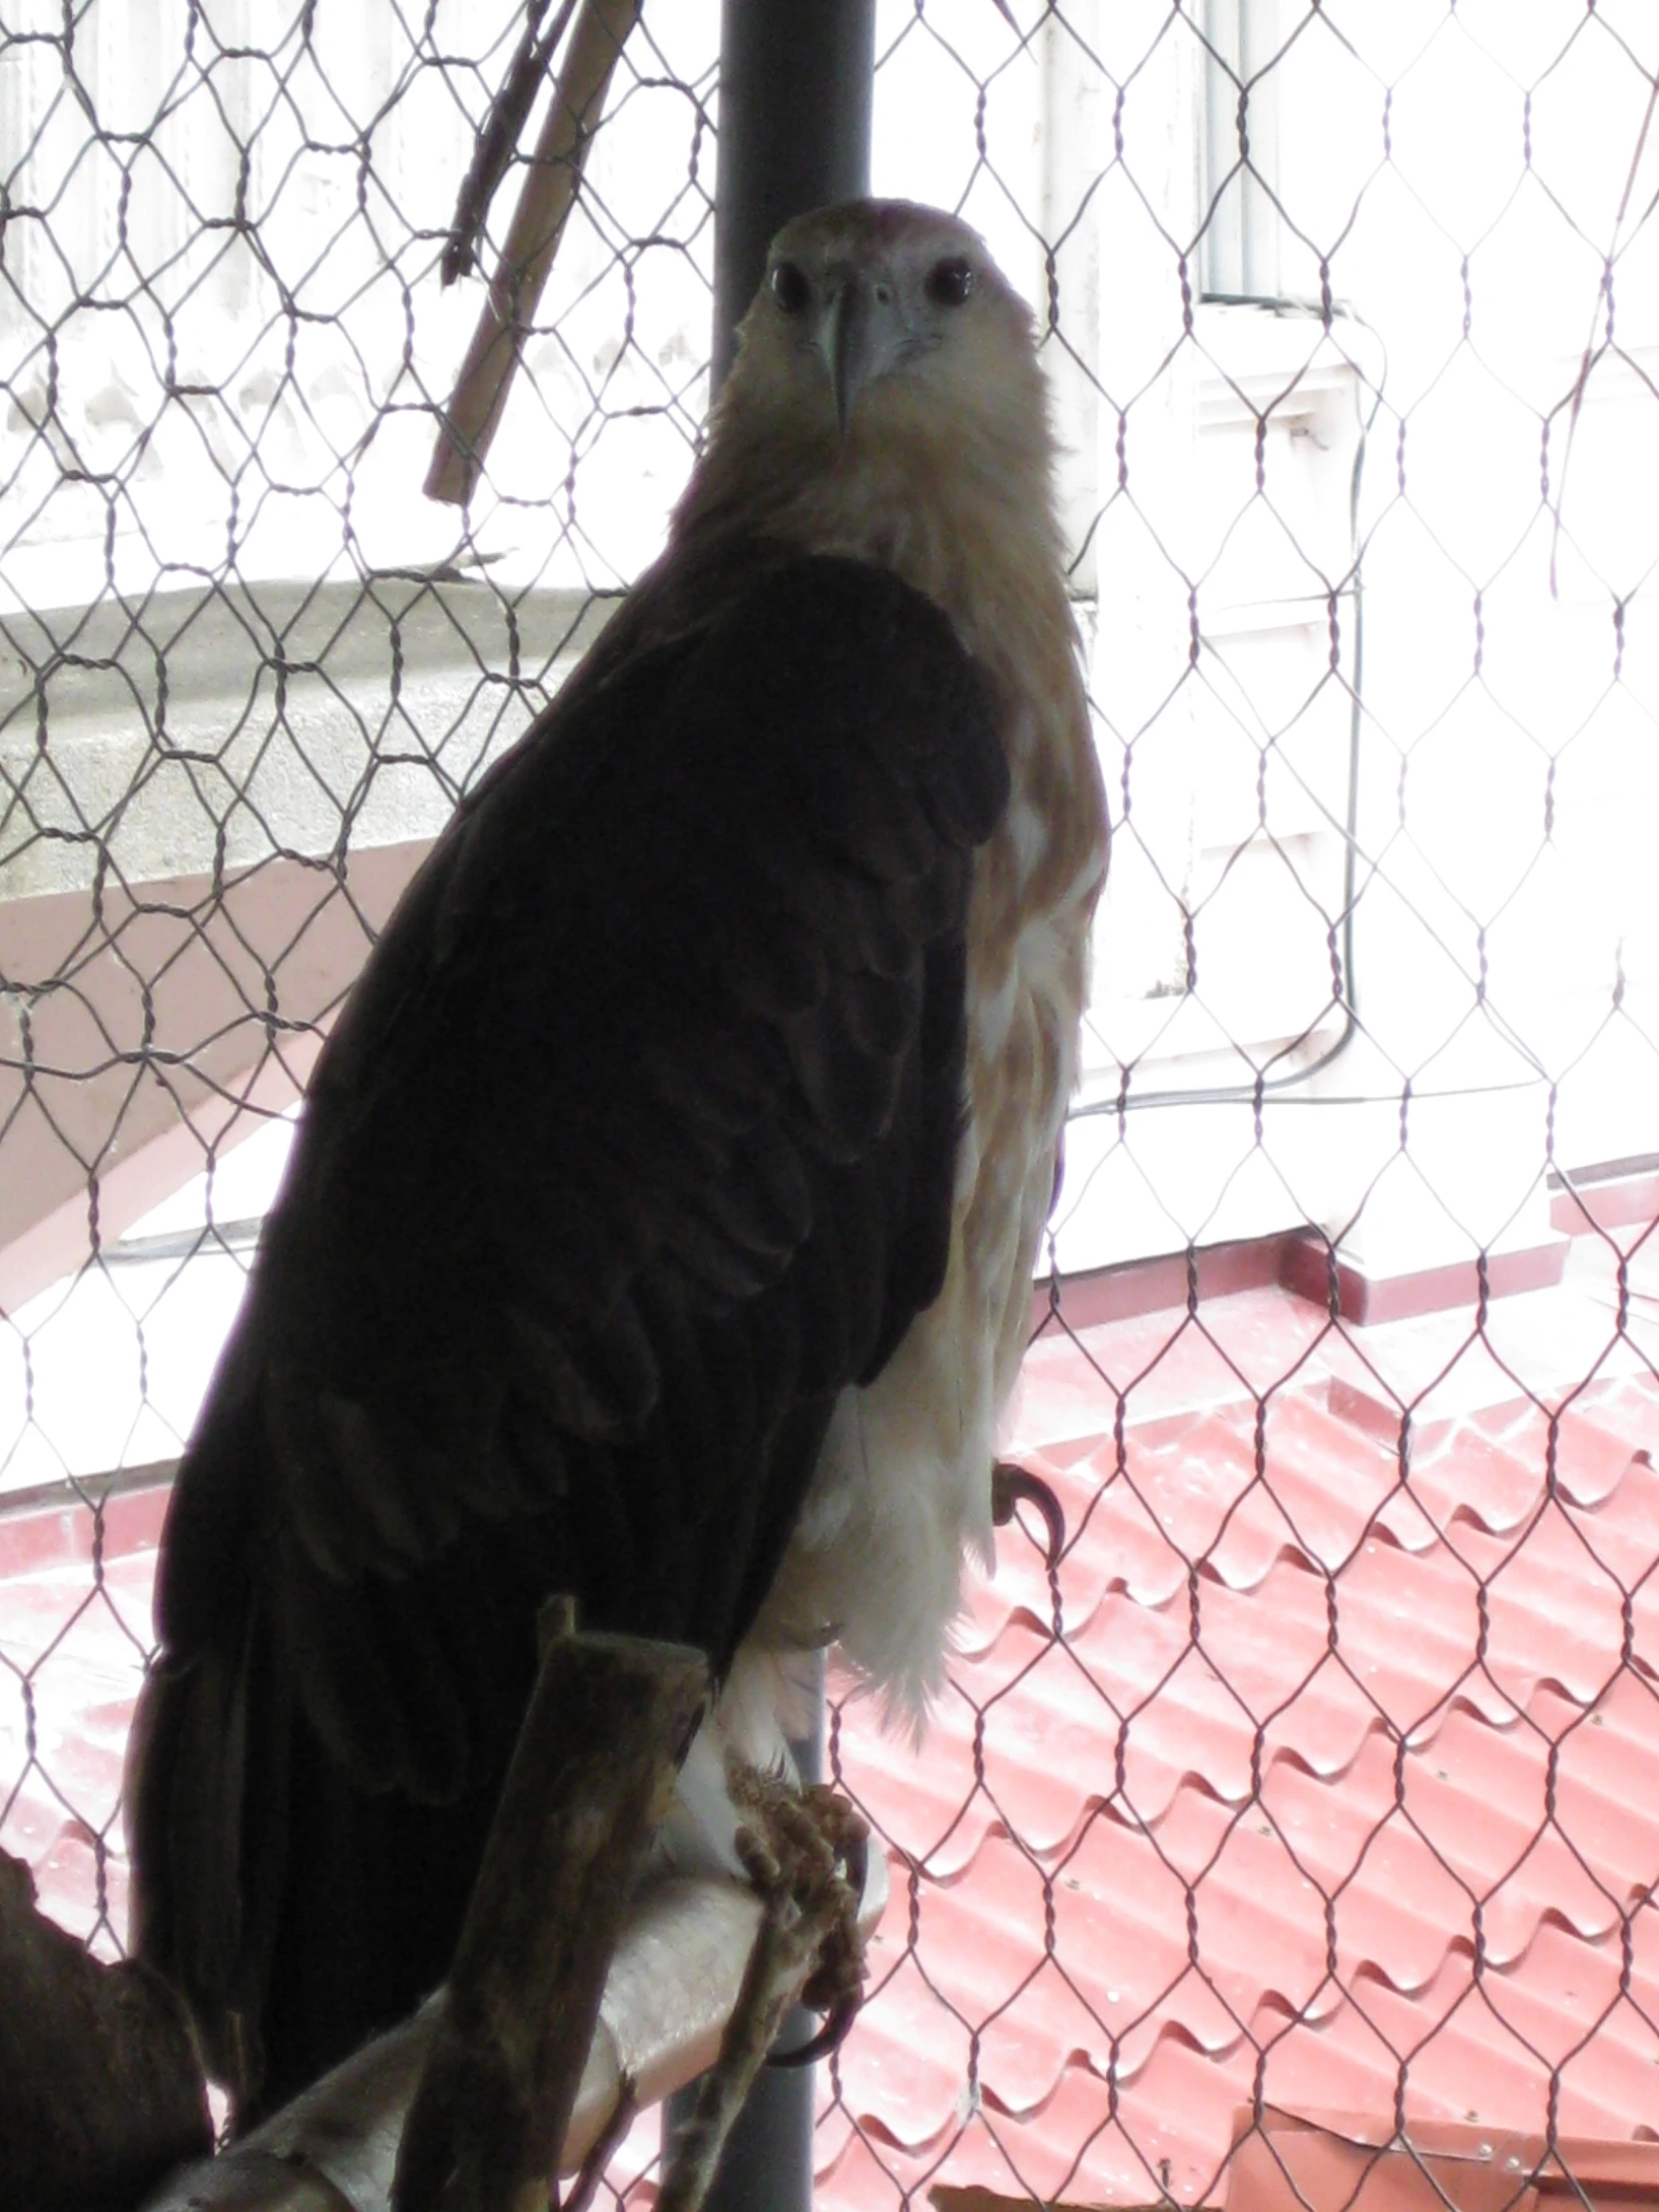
pixel 881 328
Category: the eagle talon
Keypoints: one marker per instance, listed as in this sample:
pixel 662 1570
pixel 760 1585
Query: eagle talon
pixel 1011 1486
pixel 801 1846
pixel 836 1984
pixel 829 2037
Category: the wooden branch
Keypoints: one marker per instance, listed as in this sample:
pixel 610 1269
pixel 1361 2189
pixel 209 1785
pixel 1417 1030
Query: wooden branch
pixel 673 1983
pixel 685 1953
pixel 100 2089
pixel 594 1767
pixel 474 411
pixel 498 139
pixel 945 2199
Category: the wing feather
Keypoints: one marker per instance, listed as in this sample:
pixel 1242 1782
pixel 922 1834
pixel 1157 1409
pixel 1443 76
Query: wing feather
pixel 632 1149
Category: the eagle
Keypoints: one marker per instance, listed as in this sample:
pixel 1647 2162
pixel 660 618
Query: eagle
pixel 662 1216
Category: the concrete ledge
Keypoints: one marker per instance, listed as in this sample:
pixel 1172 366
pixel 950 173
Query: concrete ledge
pixel 1368 1298
pixel 1298 1261
pixel 1615 1201
pixel 141 1027
pixel 228 791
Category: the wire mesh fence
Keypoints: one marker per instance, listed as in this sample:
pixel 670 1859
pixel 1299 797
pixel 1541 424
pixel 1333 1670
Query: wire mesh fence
pixel 1319 1773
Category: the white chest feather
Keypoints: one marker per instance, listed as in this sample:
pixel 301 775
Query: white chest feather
pixel 903 1491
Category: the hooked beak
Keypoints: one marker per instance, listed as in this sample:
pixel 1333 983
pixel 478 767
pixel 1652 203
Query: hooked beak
pixel 862 333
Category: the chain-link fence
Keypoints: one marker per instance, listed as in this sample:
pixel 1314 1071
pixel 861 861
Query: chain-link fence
pixel 1321 1773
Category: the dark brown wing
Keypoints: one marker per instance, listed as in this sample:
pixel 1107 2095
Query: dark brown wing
pixel 633 1146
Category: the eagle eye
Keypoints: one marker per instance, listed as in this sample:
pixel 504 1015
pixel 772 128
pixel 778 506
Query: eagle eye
pixel 950 281
pixel 790 286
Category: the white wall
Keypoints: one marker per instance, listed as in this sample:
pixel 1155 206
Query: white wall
pixel 1452 181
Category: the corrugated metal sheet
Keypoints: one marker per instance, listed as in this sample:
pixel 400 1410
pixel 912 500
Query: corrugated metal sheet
pixel 1347 1770
pixel 1345 1777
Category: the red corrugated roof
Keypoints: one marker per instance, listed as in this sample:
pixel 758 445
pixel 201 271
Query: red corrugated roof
pixel 1347 1764
pixel 1340 1768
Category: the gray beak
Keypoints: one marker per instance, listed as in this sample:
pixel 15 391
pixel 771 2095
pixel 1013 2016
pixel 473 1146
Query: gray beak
pixel 862 333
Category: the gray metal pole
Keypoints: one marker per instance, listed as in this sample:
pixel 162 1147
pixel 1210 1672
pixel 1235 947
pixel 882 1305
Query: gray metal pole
pixel 767 2165
pixel 796 85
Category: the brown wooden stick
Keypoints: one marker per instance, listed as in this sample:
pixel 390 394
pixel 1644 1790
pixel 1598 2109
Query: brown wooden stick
pixel 674 1983
pixel 595 1762
pixel 100 2090
pixel 498 139
pixel 474 411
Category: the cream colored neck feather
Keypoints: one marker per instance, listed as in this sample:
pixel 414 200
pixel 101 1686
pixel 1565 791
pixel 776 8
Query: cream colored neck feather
pixel 904 1486
pixel 969 520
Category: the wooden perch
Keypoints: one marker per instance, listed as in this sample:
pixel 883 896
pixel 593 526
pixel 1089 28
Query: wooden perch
pixel 594 1767
pixel 673 1984
pixel 513 2043
pixel 100 2090
pixel 945 2199
pixel 474 410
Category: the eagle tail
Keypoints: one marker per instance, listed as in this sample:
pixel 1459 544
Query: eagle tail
pixel 296 1914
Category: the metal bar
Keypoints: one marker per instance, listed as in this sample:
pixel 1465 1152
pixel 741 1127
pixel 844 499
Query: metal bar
pixel 767 2164
pixel 797 85
pixel 795 88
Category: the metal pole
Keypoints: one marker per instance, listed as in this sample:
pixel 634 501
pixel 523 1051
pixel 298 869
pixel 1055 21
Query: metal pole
pixel 767 2165
pixel 796 83
pixel 795 86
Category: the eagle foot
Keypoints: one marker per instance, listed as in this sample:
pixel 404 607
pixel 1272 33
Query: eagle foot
pixel 1012 1486
pixel 835 1986
pixel 810 1848
pixel 799 1849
